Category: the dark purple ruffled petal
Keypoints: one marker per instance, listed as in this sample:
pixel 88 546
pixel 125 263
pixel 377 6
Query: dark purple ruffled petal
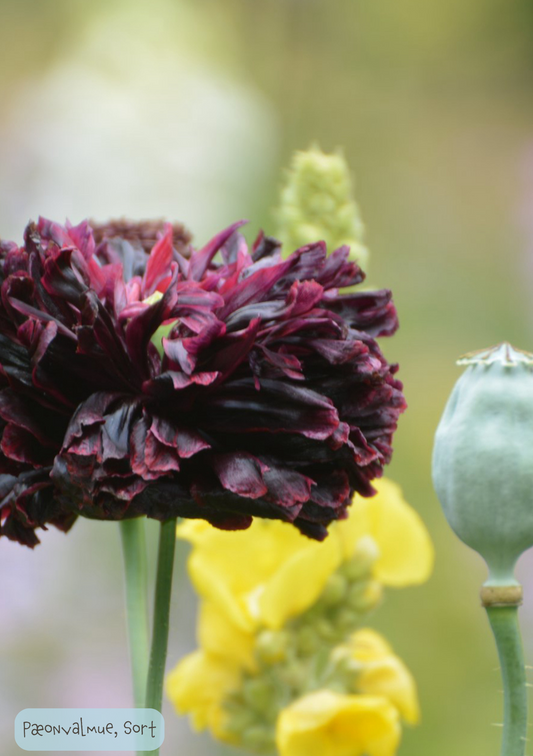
pixel 241 473
pixel 158 264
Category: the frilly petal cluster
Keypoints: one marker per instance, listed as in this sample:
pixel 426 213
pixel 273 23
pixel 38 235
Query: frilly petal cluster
pixel 173 384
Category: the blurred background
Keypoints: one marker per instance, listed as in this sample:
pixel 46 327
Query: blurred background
pixel 189 109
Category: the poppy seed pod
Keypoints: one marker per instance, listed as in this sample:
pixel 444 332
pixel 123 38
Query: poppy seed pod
pixel 483 458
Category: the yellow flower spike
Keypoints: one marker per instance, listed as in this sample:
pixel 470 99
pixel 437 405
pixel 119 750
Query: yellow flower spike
pixel 406 553
pixel 325 723
pixel 383 673
pixel 271 600
pixel 198 686
pixel 218 636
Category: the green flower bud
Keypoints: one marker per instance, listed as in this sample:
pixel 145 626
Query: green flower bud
pixel 335 590
pixel 325 629
pixel 307 641
pixel 483 458
pixel 317 204
pixel 258 693
pixel 346 669
pixel 294 675
pixel 239 719
pixel 365 555
pixel 348 619
pixel 271 646
pixel 259 739
pixel 365 595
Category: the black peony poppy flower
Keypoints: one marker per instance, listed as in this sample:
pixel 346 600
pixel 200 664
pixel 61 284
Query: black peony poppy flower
pixel 168 384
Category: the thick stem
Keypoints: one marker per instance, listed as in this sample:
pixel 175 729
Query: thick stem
pixel 165 564
pixel 135 570
pixel 504 623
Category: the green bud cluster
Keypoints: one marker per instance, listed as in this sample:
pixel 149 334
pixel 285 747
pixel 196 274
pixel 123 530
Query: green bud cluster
pixel 304 655
pixel 253 709
pixel 317 204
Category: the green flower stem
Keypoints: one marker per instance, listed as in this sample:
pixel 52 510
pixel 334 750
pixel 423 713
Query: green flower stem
pixel 165 564
pixel 504 623
pixel 135 569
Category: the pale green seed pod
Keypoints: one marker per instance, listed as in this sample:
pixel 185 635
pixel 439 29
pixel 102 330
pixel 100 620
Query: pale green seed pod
pixel 483 458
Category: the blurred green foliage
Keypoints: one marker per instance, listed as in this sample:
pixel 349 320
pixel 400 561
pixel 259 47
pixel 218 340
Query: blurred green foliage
pixel 432 104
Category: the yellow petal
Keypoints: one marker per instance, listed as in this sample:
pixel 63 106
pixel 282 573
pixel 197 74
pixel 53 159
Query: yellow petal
pixel 219 636
pixel 391 678
pixel 216 586
pixel 406 552
pixel 384 674
pixel 367 645
pixel 198 685
pixel 192 530
pixel 262 575
pixel 325 723
pixel 298 581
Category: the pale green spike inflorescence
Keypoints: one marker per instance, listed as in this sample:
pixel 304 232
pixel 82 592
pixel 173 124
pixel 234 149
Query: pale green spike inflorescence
pixel 317 203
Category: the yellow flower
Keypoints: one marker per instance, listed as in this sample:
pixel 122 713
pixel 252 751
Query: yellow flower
pixel 379 672
pixel 199 685
pixel 325 723
pixel 263 576
pixel 406 553
pixel 260 576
